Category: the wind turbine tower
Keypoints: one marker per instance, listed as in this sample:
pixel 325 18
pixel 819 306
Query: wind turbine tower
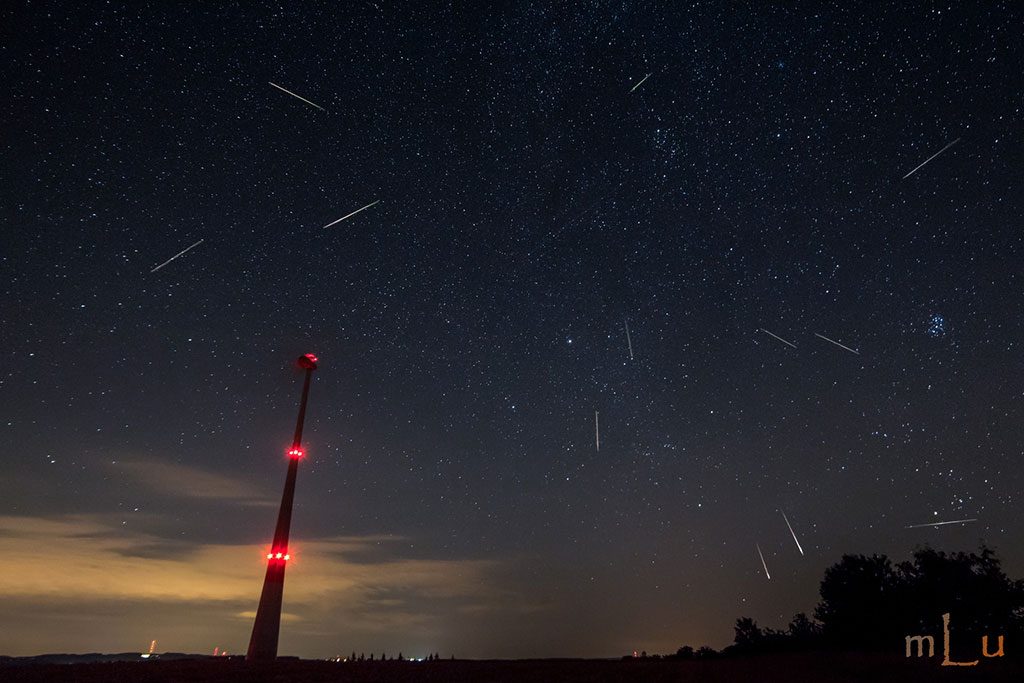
pixel 263 643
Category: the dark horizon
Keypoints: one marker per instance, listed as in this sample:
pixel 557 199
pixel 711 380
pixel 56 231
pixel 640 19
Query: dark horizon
pixel 809 220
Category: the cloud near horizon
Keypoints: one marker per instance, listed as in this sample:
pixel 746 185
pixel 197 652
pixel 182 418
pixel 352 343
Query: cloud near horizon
pixel 176 480
pixel 63 570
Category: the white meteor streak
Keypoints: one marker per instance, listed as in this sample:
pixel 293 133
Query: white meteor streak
pixel 821 336
pixel 953 521
pixel 180 253
pixel 597 432
pixel 792 532
pixel 640 83
pixel 778 337
pixel 629 340
pixel 298 96
pixel 930 158
pixel 763 562
pixel 351 214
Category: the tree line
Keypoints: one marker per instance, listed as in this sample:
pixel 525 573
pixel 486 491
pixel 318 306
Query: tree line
pixel 873 604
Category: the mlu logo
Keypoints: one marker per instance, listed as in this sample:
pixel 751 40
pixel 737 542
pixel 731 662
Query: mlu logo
pixel 946 661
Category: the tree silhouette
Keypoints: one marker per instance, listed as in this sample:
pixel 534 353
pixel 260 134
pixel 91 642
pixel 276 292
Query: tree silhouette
pixel 749 636
pixel 863 603
pixel 972 588
pixel 803 632
pixel 867 603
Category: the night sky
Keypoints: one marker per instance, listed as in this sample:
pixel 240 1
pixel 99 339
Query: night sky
pixel 469 325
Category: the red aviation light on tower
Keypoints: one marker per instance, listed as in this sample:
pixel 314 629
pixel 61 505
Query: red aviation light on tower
pixel 281 556
pixel 308 361
pixel 295 453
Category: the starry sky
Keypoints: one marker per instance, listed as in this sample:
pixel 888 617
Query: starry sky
pixel 534 198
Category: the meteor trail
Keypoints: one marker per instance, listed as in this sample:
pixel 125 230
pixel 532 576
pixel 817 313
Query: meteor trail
pixel 953 521
pixel 351 214
pixel 597 432
pixel 930 158
pixel 629 340
pixel 180 253
pixel 763 563
pixel 792 532
pixel 821 336
pixel 303 98
pixel 641 83
pixel 778 337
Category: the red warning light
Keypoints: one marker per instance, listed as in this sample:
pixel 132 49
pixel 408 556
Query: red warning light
pixel 308 361
pixel 295 453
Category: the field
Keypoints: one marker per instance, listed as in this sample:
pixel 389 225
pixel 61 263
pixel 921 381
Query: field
pixel 766 669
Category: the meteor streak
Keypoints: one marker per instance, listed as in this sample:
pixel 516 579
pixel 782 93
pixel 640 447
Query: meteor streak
pixel 180 253
pixel 629 340
pixel 597 432
pixel 778 337
pixel 792 532
pixel 351 214
pixel 952 521
pixel 930 158
pixel 301 97
pixel 762 562
pixel 821 336
pixel 641 82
